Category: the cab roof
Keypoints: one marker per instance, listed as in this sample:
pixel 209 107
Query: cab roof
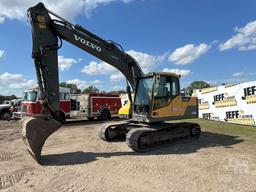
pixel 162 73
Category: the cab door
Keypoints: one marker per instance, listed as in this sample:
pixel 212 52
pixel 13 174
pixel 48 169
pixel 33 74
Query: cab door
pixel 182 106
pixel 166 90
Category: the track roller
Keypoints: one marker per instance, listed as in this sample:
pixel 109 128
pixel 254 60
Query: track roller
pixel 134 139
pixel 195 130
pixel 110 132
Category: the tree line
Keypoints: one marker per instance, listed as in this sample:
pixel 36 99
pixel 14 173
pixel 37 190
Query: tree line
pixel 195 85
pixel 9 97
pixel 92 89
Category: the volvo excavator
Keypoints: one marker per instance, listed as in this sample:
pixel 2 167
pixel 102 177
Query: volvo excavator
pixel 156 99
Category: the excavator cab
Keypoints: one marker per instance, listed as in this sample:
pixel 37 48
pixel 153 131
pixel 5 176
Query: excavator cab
pixel 158 98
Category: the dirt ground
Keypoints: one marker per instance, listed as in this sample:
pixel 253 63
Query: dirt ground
pixel 75 159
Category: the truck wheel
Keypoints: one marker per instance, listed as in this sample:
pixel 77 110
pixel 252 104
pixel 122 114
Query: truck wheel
pixel 105 114
pixel 90 118
pixel 61 117
pixel 5 115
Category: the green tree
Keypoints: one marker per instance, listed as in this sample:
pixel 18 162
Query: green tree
pixel 8 97
pixel 199 84
pixel 122 91
pixel 91 89
pixel 117 92
pixel 77 91
pixel 2 98
pixel 73 87
pixel 195 85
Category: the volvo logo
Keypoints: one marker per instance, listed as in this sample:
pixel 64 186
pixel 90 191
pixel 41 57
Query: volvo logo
pixel 87 43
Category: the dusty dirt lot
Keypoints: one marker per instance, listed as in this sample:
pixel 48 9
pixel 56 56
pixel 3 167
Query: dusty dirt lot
pixel 77 160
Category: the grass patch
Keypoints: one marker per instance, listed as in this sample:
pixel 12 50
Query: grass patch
pixel 245 132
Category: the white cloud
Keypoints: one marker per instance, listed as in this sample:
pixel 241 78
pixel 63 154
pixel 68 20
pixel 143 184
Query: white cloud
pixel 147 62
pixel 9 77
pixel 16 9
pixel 65 63
pixel 95 68
pixel 188 53
pixel 2 19
pixel 181 72
pixel 90 5
pixel 15 83
pixel 80 59
pixel 244 39
pixel 118 88
pixel 1 51
pixel 238 74
pixel 80 83
pixel 96 82
pixel 243 74
pixel 116 77
pixel 23 85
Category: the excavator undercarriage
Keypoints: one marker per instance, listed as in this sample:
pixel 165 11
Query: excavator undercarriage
pixel 142 137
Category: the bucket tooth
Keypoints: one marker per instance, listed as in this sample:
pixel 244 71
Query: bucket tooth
pixel 35 131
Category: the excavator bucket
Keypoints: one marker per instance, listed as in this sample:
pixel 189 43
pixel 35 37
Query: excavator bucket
pixel 35 131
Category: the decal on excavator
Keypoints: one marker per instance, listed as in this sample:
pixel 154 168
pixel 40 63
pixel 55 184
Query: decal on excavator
pixel 41 22
pixel 87 43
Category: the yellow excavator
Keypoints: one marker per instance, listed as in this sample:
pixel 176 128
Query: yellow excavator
pixel 157 96
pixel 125 111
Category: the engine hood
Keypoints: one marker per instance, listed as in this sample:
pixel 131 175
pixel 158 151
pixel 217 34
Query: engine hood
pixel 3 106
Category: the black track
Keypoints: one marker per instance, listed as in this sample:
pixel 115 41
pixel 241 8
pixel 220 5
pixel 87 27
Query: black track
pixel 142 137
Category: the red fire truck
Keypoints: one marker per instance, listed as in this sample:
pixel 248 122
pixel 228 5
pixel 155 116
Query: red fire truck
pixel 32 99
pixel 92 105
pixel 96 105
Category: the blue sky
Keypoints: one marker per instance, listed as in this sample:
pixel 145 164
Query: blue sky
pixel 210 40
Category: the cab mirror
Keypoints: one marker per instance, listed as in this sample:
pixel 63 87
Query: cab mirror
pixel 182 93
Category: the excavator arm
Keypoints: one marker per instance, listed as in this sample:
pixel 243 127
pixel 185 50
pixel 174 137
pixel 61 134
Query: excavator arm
pixel 47 35
pixel 46 32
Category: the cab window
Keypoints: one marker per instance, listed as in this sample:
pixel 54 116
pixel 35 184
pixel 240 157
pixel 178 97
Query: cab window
pixel 175 86
pixel 30 96
pixel 64 96
pixel 67 96
pixel 166 88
